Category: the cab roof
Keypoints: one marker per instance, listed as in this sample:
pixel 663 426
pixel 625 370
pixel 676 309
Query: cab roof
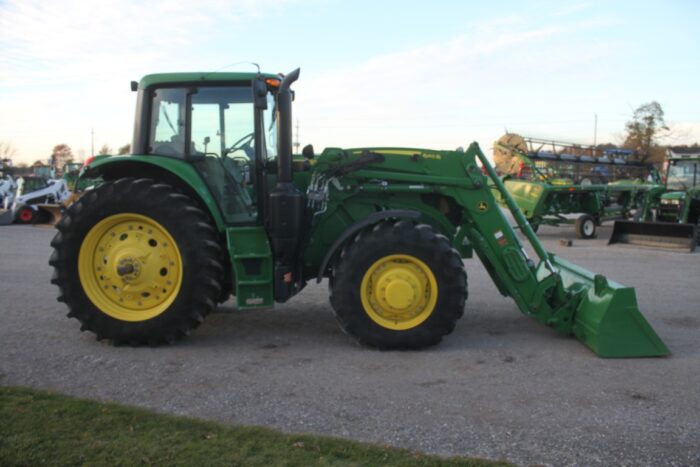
pixel 190 77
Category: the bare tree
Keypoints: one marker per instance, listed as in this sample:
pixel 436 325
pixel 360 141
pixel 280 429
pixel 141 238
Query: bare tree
pixel 7 150
pixel 126 149
pixel 104 150
pixel 61 155
pixel 645 129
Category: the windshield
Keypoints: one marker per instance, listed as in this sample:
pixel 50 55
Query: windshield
pixel 222 122
pixel 683 175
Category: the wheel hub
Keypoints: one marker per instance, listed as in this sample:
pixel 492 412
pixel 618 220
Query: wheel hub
pixel 26 215
pixel 399 292
pixel 130 267
pixel 398 289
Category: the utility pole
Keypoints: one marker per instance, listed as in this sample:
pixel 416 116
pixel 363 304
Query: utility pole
pixel 92 142
pixel 297 143
pixel 595 131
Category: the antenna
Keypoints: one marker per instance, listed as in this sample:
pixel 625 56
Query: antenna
pixel 595 130
pixel 230 65
pixel 239 63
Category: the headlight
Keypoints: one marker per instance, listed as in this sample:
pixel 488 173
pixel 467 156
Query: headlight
pixel 674 202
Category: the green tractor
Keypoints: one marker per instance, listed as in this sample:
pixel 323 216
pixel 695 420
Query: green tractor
pixel 212 203
pixel 672 219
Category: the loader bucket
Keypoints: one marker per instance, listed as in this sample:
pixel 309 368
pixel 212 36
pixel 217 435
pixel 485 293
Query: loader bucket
pixel 48 214
pixel 665 235
pixel 7 216
pixel 607 318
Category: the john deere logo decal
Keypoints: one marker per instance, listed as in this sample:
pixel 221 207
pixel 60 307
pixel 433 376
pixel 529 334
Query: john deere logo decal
pixel 482 206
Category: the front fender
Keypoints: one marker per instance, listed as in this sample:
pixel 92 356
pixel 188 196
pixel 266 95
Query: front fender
pixel 372 219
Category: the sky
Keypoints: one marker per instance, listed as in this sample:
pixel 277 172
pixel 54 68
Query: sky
pixel 437 74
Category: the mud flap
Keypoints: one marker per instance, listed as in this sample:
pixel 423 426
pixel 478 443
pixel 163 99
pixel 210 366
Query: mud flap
pixel 607 318
pixel 665 235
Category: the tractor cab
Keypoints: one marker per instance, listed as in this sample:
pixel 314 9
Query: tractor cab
pixel 224 125
pixel 683 174
pixel 683 189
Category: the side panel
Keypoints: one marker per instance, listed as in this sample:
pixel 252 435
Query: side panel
pixel 330 225
pixel 251 259
pixel 691 207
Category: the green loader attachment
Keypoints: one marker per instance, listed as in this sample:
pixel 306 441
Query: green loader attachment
pixel 607 319
pixel 670 220
pixel 665 235
pixel 600 313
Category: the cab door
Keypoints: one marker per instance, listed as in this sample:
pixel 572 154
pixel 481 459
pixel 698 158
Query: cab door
pixel 223 141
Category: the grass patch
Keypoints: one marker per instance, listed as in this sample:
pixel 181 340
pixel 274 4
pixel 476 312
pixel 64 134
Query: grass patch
pixel 38 427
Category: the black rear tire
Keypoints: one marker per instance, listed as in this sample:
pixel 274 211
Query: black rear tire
pixel 395 246
pixel 196 242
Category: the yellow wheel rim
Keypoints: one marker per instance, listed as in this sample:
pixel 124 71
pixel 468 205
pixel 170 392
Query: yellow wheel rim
pixel 399 292
pixel 130 267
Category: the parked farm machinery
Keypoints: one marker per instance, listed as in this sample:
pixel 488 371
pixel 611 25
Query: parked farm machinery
pixel 32 196
pixel 40 200
pixel 549 185
pixel 142 259
pixel 671 219
pixel 8 192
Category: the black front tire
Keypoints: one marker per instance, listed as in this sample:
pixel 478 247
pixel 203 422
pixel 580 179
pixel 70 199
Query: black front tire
pixel 192 232
pixel 414 241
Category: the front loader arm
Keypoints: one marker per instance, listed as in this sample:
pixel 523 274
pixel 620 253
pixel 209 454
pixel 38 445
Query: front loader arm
pixel 600 313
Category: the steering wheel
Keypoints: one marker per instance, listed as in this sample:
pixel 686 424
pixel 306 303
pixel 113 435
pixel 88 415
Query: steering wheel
pixel 242 144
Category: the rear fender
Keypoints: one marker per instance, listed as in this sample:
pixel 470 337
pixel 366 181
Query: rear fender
pixel 169 170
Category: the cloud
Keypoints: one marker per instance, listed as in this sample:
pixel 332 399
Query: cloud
pixel 470 85
pixel 42 40
pixel 570 9
pixel 66 65
pixel 682 132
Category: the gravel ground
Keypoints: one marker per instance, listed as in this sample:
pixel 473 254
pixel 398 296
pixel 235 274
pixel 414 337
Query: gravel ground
pixel 501 386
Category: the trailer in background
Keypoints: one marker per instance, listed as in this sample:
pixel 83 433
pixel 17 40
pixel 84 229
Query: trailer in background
pixel 552 180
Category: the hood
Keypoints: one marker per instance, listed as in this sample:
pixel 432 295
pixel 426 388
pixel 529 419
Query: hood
pixel 679 195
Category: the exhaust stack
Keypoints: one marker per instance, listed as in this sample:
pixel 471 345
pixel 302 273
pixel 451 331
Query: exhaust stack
pixel 284 128
pixel 286 202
